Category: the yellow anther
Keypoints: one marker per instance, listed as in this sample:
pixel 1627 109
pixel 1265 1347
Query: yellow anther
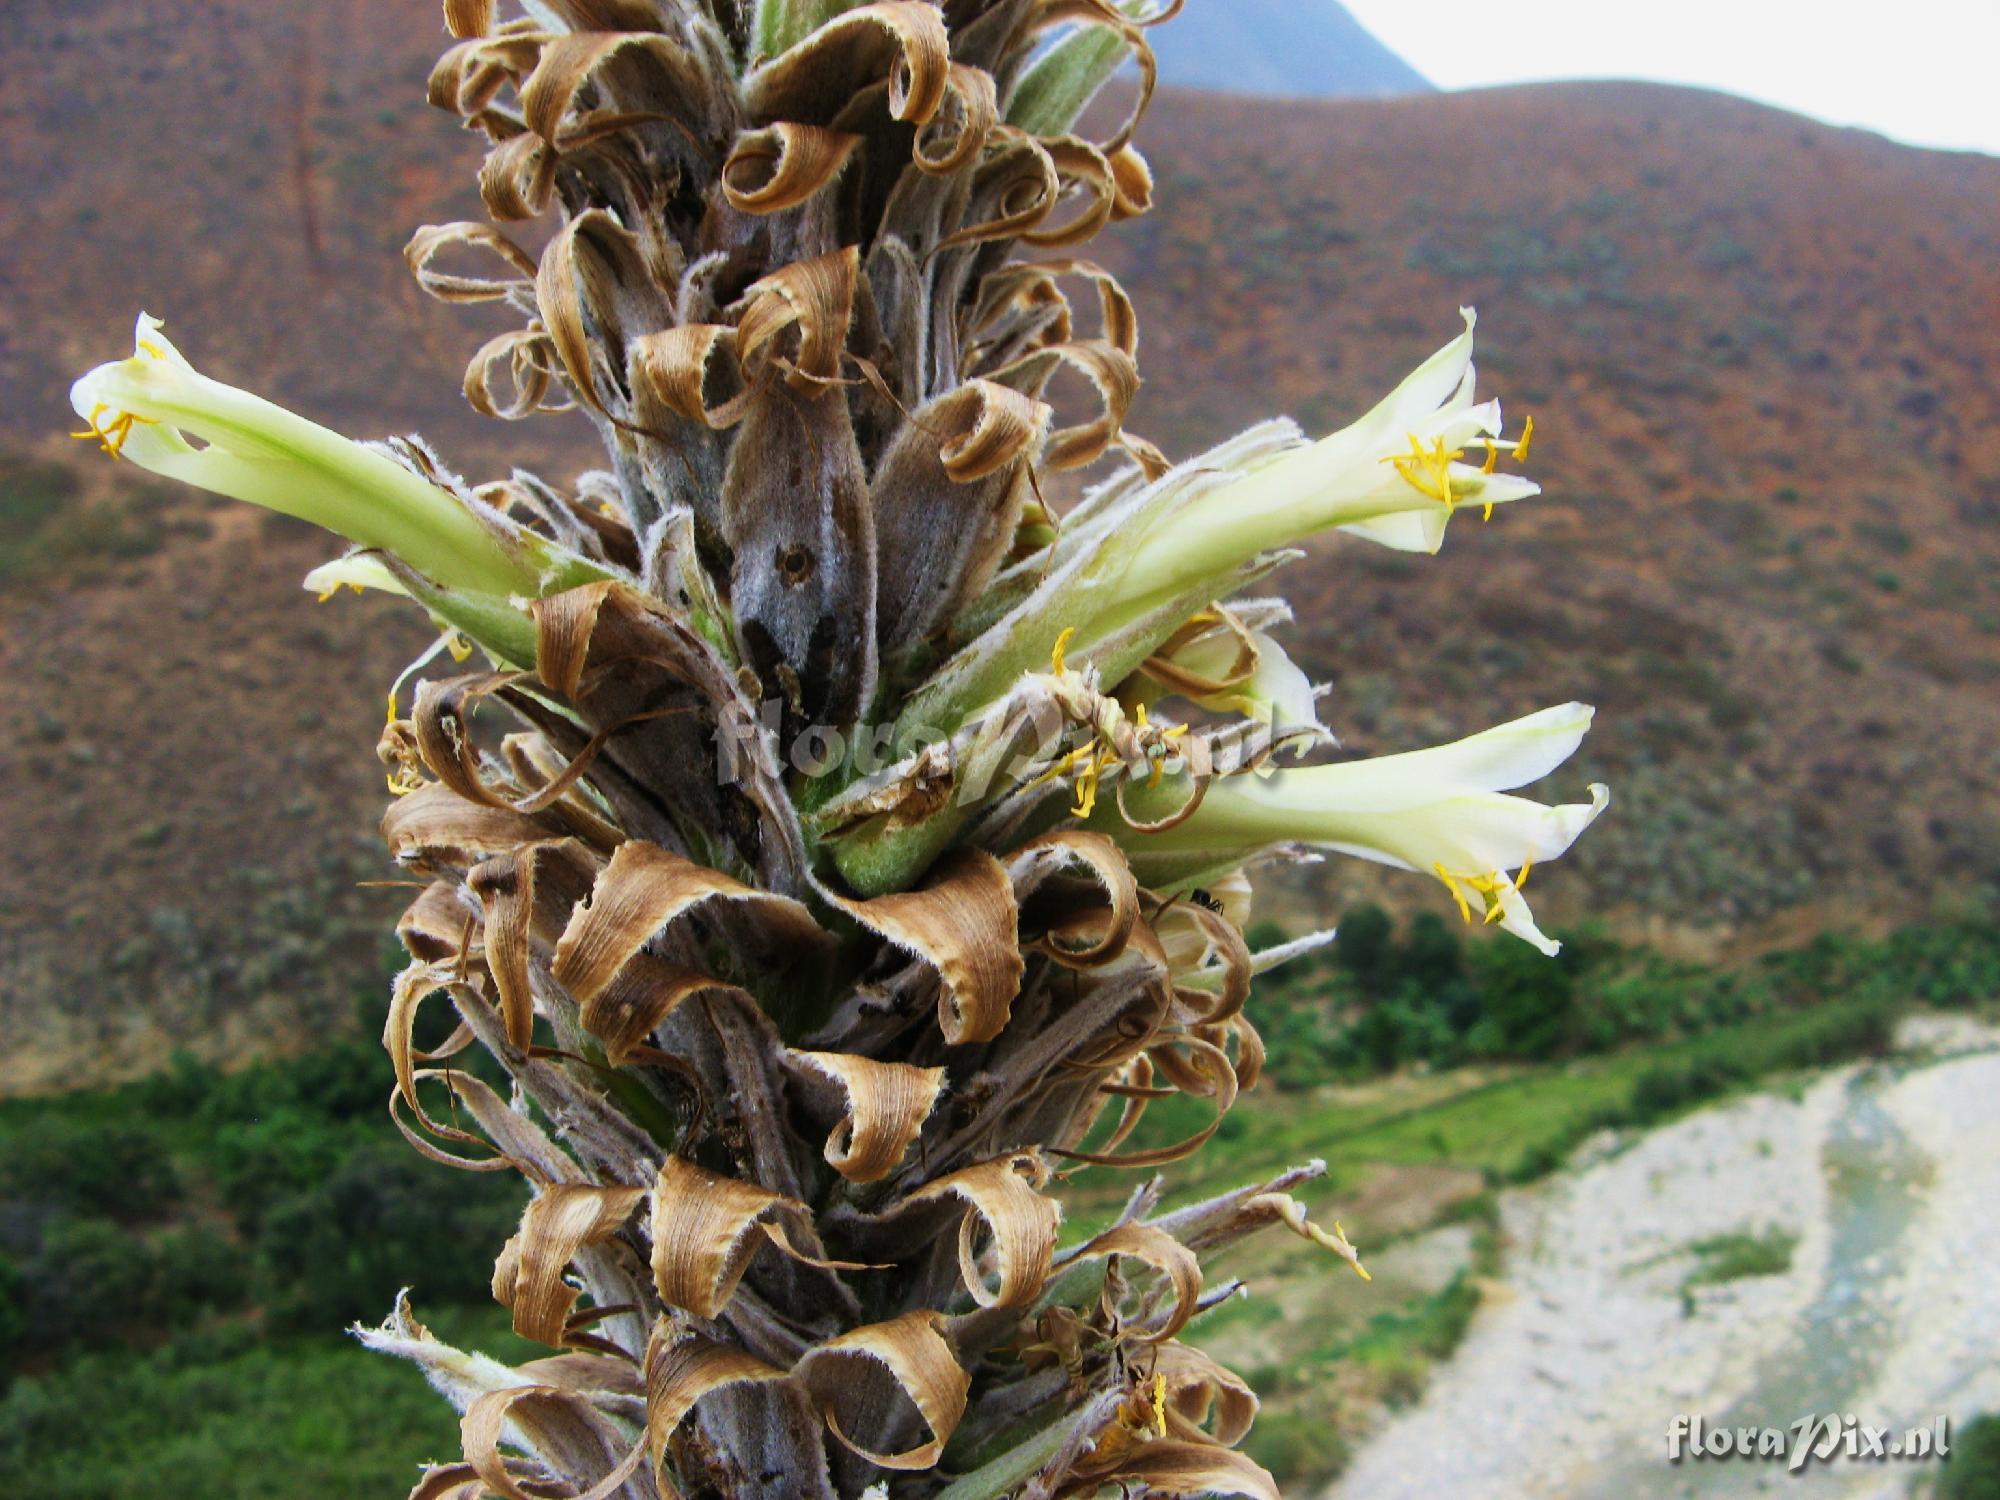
pixel 459 647
pixel 392 707
pixel 111 436
pixel 1489 887
pixel 1527 438
pixel 1086 787
pixel 1159 1406
pixel 1492 457
pixel 1457 895
pixel 1062 644
pixel 1428 470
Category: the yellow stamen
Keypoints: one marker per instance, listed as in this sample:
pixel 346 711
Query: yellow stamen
pixel 1086 787
pixel 111 436
pixel 1457 896
pixel 392 706
pixel 1428 470
pixel 1492 457
pixel 1487 887
pixel 1527 438
pixel 1056 665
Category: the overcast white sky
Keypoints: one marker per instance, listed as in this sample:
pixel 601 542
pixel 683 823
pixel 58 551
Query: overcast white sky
pixel 1921 71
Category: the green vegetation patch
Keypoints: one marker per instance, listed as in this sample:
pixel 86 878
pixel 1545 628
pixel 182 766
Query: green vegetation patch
pixel 1732 1257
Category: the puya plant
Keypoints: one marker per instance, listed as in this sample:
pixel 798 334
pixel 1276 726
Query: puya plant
pixel 872 840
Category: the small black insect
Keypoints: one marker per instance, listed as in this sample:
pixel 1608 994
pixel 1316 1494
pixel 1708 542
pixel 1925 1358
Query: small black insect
pixel 1202 898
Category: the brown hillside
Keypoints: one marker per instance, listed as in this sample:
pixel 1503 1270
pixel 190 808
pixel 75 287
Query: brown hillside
pixel 1761 354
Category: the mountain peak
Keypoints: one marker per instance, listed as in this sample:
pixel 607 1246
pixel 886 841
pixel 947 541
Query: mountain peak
pixel 1295 48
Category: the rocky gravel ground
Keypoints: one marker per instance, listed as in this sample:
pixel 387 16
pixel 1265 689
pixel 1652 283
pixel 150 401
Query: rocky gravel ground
pixel 1586 1349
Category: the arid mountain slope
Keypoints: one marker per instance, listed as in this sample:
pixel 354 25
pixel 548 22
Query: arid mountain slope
pixel 1762 355
pixel 1297 48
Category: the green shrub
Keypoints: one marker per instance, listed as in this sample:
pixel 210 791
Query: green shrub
pixel 1732 1257
pixel 198 1271
pixel 260 1160
pixel 85 1166
pixel 14 1296
pixel 1299 1448
pixel 340 1247
pixel 1972 1469
pixel 1363 946
pixel 92 1281
pixel 1530 1000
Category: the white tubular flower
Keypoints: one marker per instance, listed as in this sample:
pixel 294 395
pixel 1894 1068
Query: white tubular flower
pixel 147 407
pixel 1441 811
pixel 1394 477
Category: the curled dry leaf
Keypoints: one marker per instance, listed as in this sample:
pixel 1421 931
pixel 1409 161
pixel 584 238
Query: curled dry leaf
pixel 1177 1265
pixel 682 1369
pixel 678 367
pixel 902 45
pixel 1178 1466
pixel 947 497
pixel 1084 174
pixel 963 924
pixel 646 888
pixel 560 1220
pixel 562 1429
pixel 914 1353
pixel 434 830
pixel 505 886
pixel 527 353
pixel 777 167
pixel 1132 181
pixel 887 1104
pixel 813 298
pixel 953 138
pixel 652 66
pixel 427 243
pixel 706 1229
pixel 1074 934
pixel 1110 372
pixel 1201 1394
pixel 1104 14
pixel 1020 1222
pixel 1014 188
